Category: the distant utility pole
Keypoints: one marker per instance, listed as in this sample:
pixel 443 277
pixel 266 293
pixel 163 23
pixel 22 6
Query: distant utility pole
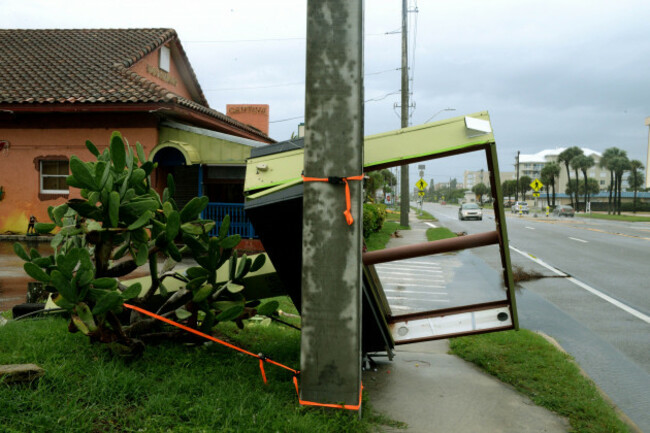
pixel 517 185
pixel 404 190
pixel 330 345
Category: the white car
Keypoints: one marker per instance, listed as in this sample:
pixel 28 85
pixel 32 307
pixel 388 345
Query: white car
pixel 470 211
pixel 520 205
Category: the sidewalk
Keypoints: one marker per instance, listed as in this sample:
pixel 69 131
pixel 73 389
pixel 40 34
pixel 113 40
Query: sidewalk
pixel 433 391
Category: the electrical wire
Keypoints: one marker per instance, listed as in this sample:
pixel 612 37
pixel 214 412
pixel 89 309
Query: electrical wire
pixel 237 41
pixel 271 86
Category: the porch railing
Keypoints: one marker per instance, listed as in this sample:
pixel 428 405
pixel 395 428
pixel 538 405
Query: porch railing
pixel 239 222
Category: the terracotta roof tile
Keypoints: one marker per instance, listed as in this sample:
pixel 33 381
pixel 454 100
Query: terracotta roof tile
pixel 89 66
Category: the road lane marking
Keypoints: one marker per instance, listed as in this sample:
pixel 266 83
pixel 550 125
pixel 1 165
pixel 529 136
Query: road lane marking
pixel 579 240
pixel 409 273
pixel 530 228
pixel 416 292
pixel 588 288
pixel 403 298
pixel 611 300
pixel 417 286
pixel 539 262
pixel 432 225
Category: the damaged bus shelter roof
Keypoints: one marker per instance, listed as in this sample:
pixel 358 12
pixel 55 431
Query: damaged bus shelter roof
pixel 274 188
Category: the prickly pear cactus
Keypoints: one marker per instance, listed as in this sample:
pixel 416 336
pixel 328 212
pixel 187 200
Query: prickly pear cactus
pixel 122 223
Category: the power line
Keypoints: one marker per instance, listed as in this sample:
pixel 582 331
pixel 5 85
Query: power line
pixel 271 86
pixel 396 92
pixel 286 120
pixel 236 41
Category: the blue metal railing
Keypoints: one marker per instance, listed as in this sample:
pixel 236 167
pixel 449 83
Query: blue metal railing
pixel 239 222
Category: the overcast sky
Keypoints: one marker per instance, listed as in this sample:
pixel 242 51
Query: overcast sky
pixel 551 73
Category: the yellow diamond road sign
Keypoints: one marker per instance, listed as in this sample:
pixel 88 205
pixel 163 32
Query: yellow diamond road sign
pixel 421 184
pixel 536 185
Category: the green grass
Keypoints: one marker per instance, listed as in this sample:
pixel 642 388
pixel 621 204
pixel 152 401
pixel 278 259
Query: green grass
pixel 171 388
pixel 378 240
pixel 435 234
pixel 392 216
pixel 604 216
pixel 548 376
pixel 424 215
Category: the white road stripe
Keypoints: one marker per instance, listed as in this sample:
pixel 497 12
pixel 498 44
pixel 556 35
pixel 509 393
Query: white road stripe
pixel 611 300
pixel 539 262
pixel 409 266
pixel 423 286
pixel 579 240
pixel 588 288
pixel 530 228
pixel 380 273
pixel 411 280
pixel 416 292
pixel 403 298
pixel 409 262
pixel 432 225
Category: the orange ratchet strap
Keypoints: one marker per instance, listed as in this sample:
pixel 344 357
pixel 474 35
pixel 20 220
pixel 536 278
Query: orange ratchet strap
pixel 337 180
pixel 260 356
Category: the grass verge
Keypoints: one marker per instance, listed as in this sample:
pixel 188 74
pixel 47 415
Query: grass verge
pixel 424 215
pixel 604 216
pixel 435 234
pixel 170 388
pixel 378 240
pixel 392 216
pixel 548 376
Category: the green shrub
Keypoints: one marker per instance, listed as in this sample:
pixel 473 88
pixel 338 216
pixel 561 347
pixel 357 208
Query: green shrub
pixel 374 216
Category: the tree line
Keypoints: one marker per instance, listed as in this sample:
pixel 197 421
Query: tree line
pixel 576 162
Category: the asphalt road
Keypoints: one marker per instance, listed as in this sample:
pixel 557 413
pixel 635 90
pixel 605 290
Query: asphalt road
pixel 593 295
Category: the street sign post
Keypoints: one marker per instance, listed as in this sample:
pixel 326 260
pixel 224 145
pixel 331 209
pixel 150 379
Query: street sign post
pixel 421 184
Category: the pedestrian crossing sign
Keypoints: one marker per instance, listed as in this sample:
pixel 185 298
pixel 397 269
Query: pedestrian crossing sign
pixel 421 184
pixel 536 185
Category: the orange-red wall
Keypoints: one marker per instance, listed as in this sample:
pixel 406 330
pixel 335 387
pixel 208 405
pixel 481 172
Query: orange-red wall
pixel 255 115
pixel 175 85
pixel 19 174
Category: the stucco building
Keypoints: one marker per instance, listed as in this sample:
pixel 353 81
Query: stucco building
pixel 59 88
pixel 532 164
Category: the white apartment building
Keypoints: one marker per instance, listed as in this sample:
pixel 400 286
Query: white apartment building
pixel 471 178
pixel 532 164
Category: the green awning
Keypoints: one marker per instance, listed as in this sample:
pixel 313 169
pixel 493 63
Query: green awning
pixel 203 146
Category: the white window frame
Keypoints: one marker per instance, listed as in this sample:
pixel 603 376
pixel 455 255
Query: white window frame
pixel 41 176
pixel 164 61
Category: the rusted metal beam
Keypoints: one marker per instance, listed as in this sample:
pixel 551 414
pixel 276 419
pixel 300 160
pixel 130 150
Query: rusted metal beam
pixel 429 248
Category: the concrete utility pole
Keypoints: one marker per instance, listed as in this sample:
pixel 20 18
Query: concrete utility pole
pixel 404 190
pixel 517 185
pixel 331 249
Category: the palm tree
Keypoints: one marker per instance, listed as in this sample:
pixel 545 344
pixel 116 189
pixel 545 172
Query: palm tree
pixel 524 186
pixel 551 172
pixel 565 158
pixel 619 164
pixel 606 162
pixel 480 189
pixel 583 163
pixel 637 178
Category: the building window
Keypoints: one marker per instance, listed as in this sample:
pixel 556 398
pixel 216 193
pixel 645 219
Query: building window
pixel 53 174
pixel 164 58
